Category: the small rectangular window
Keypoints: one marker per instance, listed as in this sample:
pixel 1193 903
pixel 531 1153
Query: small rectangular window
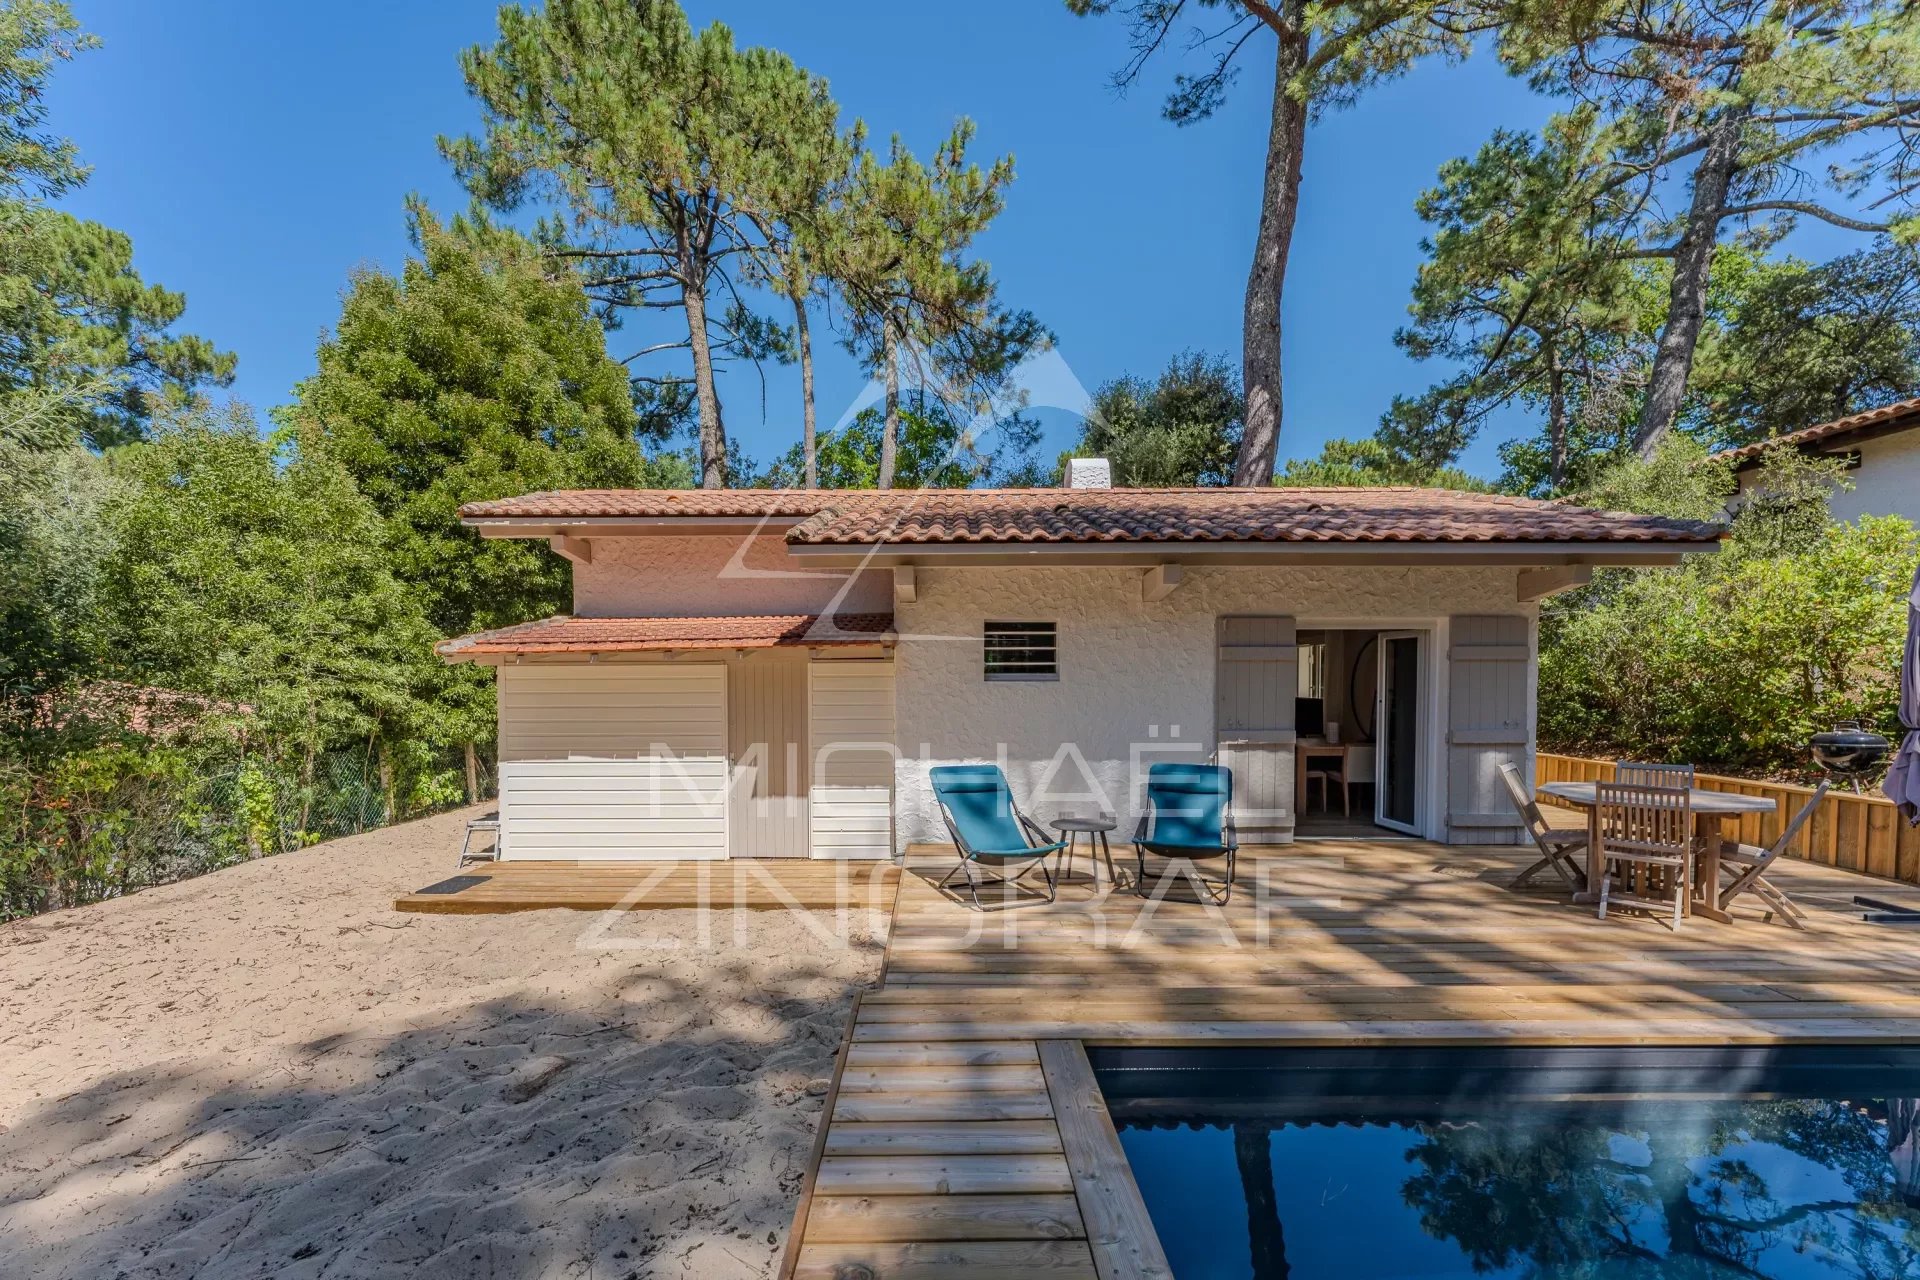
pixel 1021 651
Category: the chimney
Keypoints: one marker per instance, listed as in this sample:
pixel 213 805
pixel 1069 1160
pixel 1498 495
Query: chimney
pixel 1089 473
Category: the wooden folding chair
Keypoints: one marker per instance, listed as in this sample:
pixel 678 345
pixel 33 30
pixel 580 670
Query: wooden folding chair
pixel 1634 774
pixel 1749 863
pixel 1647 834
pixel 1563 851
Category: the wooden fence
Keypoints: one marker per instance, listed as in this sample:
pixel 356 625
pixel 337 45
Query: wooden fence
pixel 1855 832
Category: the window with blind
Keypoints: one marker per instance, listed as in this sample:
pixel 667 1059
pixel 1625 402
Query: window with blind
pixel 1021 651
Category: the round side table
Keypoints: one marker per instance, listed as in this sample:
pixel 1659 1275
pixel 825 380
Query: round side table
pixel 1095 830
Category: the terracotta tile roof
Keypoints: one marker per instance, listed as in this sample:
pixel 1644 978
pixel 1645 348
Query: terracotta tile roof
pixel 633 635
pixel 860 517
pixel 1888 416
pixel 577 503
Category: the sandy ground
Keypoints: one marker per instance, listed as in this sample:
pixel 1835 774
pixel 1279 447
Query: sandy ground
pixel 267 1071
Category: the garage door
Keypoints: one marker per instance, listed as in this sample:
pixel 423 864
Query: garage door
pixel 613 761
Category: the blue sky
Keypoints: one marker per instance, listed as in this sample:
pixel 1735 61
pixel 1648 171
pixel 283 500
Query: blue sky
pixel 257 153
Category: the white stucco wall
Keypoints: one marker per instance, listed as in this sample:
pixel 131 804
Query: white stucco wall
pixel 1135 677
pixel 693 576
pixel 1886 483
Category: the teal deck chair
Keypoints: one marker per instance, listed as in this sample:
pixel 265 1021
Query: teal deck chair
pixel 1189 817
pixel 989 829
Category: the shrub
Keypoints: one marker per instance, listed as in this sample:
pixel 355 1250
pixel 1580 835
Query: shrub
pixel 100 822
pixel 1735 660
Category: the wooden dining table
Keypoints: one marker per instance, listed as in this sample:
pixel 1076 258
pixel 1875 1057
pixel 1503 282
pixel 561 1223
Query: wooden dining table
pixel 1709 809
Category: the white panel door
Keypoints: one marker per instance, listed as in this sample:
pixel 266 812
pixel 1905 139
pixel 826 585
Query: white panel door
pixel 850 718
pixel 613 761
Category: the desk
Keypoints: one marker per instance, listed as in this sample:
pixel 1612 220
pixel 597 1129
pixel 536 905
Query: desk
pixel 1307 749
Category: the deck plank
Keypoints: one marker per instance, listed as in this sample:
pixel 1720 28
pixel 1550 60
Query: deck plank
pixel 948 1260
pixel 936 1115
pixel 1119 1232
pixel 878 1219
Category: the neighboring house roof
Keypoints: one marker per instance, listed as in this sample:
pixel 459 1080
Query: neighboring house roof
pixel 1903 415
pixel 634 635
pixel 1079 516
pixel 142 709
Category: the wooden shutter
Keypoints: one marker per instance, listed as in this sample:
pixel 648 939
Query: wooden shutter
pixel 1489 666
pixel 1256 679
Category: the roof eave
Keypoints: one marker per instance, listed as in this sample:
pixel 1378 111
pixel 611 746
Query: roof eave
pixel 548 526
pixel 1142 553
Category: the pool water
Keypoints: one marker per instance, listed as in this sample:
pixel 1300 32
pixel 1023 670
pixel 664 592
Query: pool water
pixel 1597 1164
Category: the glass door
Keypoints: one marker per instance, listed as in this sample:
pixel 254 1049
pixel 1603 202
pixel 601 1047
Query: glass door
pixel 1396 801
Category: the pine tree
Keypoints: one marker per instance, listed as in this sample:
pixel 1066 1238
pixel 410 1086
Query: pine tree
pixel 1324 55
pixel 916 302
pixel 655 142
pixel 1743 99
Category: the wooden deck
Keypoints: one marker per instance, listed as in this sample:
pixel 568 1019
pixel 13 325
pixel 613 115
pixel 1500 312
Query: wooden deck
pixel 754 884
pixel 965 1135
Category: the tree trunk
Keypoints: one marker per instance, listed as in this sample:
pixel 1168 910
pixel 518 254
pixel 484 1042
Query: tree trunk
pixel 713 431
pixel 1556 421
pixel 473 775
pixel 1267 1242
pixel 1692 267
pixel 890 432
pixel 808 446
pixel 1260 319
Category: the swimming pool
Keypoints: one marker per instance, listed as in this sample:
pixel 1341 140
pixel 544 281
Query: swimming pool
pixel 1544 1164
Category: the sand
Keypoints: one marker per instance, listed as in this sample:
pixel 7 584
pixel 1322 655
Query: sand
pixel 267 1071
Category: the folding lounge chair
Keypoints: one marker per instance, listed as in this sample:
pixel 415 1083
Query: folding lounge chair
pixel 1189 817
pixel 988 828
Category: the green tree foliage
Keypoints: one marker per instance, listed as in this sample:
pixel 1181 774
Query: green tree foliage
pixel 478 372
pixel 796 210
pixel 34 162
pixel 1804 343
pixel 98 822
pixel 77 322
pixel 935 451
pixel 660 144
pixel 1805 616
pixel 252 570
pixel 53 545
pixel 1325 56
pixel 1518 292
pixel 913 296
pixel 1371 463
pixel 1784 344
pixel 85 347
pixel 1179 429
pixel 1745 101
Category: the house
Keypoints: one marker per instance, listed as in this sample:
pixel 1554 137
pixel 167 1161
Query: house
pixel 1881 448
pixel 773 672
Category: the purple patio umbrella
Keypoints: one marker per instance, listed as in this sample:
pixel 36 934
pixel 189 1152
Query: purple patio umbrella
pixel 1903 779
